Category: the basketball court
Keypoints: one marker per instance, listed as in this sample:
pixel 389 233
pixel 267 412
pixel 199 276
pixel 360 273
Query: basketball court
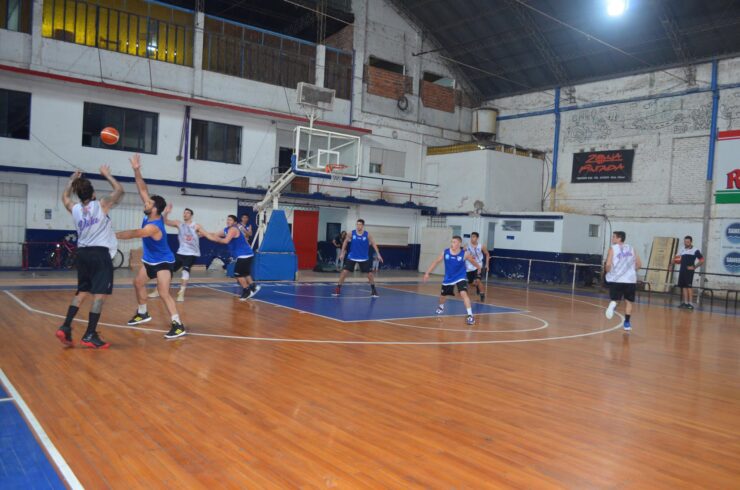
pixel 297 387
pixel 393 244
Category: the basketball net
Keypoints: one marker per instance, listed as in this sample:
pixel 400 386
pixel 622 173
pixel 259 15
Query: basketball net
pixel 333 169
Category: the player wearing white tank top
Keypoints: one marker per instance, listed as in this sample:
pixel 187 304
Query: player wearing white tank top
pixel 481 256
pixel 96 245
pixel 622 264
pixel 188 250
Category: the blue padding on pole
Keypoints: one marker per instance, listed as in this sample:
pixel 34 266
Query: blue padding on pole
pixel 274 266
pixel 277 236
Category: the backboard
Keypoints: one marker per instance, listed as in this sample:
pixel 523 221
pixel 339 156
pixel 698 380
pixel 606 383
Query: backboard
pixel 326 154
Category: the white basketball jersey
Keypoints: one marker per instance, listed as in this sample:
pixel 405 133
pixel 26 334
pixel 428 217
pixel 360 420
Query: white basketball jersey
pixel 623 265
pixel 189 242
pixel 94 227
pixel 477 253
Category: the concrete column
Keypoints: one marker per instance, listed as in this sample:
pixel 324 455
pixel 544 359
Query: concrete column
pixel 320 64
pixel 37 16
pixel 198 44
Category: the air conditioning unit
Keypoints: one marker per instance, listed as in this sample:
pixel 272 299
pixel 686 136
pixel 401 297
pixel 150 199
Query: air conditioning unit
pixel 315 96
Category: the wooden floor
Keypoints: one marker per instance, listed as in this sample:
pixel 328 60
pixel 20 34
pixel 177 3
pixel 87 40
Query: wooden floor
pixel 570 401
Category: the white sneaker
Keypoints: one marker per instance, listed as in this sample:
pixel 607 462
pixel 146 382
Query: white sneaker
pixel 154 294
pixel 610 311
pixel 181 296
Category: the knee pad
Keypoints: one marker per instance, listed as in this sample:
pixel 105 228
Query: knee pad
pixel 185 274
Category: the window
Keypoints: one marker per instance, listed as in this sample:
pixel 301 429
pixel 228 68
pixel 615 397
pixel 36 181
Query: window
pixel 544 226
pixel 387 162
pixel 439 80
pixel 593 231
pixel 15 15
pixel 216 142
pixel 15 114
pixel 137 129
pixel 386 65
pixel 511 226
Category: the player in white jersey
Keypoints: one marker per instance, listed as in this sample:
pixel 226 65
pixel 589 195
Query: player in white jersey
pixel 96 244
pixel 480 253
pixel 622 264
pixel 188 250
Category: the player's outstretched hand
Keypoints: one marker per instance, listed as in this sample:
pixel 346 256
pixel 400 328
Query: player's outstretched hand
pixel 168 208
pixel 105 170
pixel 380 259
pixel 76 175
pixel 426 277
pixel 135 161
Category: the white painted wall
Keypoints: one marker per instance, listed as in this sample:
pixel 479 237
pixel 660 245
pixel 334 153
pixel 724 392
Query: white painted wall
pixel 670 137
pixel 502 181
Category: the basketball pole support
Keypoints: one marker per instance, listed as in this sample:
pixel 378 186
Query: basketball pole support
pixel 272 196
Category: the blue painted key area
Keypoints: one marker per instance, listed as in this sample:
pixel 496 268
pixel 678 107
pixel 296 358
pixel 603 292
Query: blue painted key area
pixel 23 462
pixel 356 305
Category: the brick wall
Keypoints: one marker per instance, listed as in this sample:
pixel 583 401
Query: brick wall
pixel 437 97
pixel 343 39
pixel 387 83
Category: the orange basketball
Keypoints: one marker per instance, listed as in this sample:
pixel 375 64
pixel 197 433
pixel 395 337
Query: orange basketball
pixel 109 136
pixel 677 259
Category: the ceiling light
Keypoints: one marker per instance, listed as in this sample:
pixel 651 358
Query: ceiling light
pixel 615 8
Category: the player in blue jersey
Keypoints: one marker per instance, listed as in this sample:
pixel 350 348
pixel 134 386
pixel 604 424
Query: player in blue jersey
pixel 455 275
pixel 158 260
pixel 239 248
pixel 360 244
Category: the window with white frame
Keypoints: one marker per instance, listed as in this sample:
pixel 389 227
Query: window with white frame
pixel 511 225
pixel 544 226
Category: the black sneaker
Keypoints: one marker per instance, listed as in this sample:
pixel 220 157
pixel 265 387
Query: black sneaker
pixel 245 295
pixel 482 296
pixel 64 334
pixel 374 293
pixel 689 306
pixel 253 291
pixel 337 291
pixel 94 341
pixel 470 320
pixel 177 330
pixel 140 318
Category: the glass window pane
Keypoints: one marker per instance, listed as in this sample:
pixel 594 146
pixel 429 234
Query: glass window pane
pixel 215 142
pixel 544 226
pixel 511 226
pixel 137 129
pixel 15 114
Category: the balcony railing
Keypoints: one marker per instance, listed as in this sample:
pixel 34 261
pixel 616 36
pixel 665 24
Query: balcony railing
pixel 246 52
pixel 15 15
pixel 107 28
pixel 338 72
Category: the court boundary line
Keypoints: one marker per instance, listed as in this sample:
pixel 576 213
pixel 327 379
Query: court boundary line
pixel 334 342
pixel 41 435
pixel 545 325
pixel 6 399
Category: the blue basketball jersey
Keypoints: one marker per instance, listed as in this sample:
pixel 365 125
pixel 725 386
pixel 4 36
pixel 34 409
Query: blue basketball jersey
pixel 239 247
pixel 156 251
pixel 359 246
pixel 454 267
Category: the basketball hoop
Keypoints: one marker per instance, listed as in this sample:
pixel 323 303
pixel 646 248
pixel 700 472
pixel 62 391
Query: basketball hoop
pixel 334 170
